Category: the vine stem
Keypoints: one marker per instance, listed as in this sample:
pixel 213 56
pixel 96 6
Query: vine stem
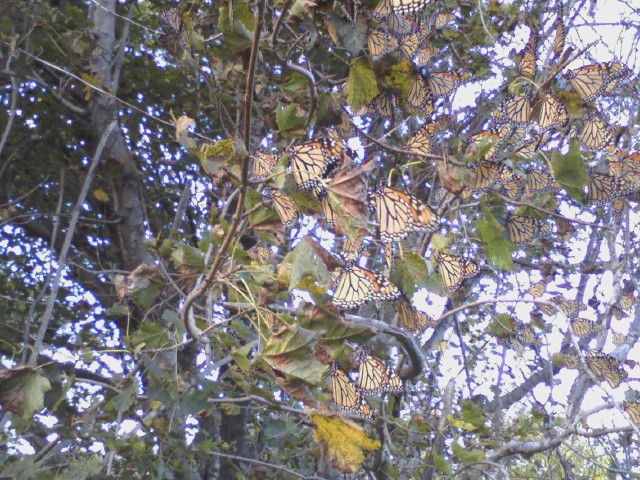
pixel 237 216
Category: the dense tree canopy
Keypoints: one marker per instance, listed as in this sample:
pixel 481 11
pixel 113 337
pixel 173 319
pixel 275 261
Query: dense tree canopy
pixel 306 239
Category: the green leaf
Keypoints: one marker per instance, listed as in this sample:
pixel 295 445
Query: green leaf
pixel 151 335
pixel 305 263
pixel 410 273
pixel 83 468
pixel 35 386
pixel 241 356
pixel 288 120
pixel 497 248
pixel 291 350
pixel 468 456
pixel 123 401
pixel 569 171
pixel 442 465
pixel 362 86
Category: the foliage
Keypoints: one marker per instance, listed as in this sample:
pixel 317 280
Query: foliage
pixel 165 316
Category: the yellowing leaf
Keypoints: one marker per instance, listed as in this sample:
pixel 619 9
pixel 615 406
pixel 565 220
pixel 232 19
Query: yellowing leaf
pixel 101 195
pixel 456 422
pixel 342 441
pixel 362 86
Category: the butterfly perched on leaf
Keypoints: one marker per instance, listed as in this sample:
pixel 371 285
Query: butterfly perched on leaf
pixel 374 376
pixel 285 206
pixel 380 43
pixel 487 174
pixel 420 142
pixel 346 396
pixel 312 162
pixel 515 111
pixel 420 99
pixel 553 113
pixel 263 165
pixel 538 180
pixel 412 319
pixel 595 135
pixel 592 81
pixel 523 229
pixel 399 213
pixel 633 409
pixel 455 269
pixel 582 326
pixel 527 66
pixel 355 285
pixel 441 84
pixel 487 141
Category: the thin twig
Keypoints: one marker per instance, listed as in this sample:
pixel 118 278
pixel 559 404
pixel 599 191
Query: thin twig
pixel 62 260
pixel 265 464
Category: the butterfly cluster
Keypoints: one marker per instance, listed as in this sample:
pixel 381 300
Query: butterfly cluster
pixel 373 377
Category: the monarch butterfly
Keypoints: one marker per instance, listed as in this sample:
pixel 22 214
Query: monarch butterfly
pixel 488 174
pixel 285 206
pixel 558 43
pixel 528 149
pixel 629 163
pixel 442 19
pixel 261 254
pixel 566 230
pixel 355 285
pixel 538 180
pixel 413 319
pixel 602 188
pixel 408 7
pixel 263 165
pixel 618 312
pixel 424 54
pixel 313 161
pixel 527 66
pixel 523 229
pixel 399 213
pixel 515 110
pixel 591 81
pixel 528 338
pixel 380 43
pixel 633 409
pixel 582 326
pixel 351 250
pixel 420 99
pixel 420 142
pixel 620 339
pixel 374 376
pixel 382 10
pixel 627 301
pixel 537 289
pixel 605 367
pixel 571 308
pixel 455 269
pixel 409 45
pixel 346 396
pixel 172 17
pixel 381 106
pixel 595 135
pixel 553 113
pixel 492 138
pixel 513 188
pixel 442 84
